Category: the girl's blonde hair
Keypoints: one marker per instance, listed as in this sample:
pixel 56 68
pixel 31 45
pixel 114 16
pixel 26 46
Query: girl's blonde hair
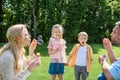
pixel 83 33
pixel 12 33
pixel 57 26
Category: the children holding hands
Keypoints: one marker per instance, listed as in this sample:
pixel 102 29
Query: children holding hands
pixel 12 55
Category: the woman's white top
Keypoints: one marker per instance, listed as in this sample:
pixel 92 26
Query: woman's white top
pixel 7 68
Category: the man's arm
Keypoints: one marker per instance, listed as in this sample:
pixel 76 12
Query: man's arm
pixel 111 55
pixel 105 67
pixel 108 46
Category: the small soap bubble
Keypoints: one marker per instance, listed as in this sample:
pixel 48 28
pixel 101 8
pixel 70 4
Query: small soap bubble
pixel 40 40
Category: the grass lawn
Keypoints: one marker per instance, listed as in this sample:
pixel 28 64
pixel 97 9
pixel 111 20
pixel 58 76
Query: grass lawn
pixel 41 72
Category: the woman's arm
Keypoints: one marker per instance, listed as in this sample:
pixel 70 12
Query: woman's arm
pixel 24 74
pixel 32 48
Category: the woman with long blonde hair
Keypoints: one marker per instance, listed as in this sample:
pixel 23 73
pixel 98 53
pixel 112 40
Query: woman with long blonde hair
pixel 12 54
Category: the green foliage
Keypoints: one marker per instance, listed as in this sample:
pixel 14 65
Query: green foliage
pixel 1 11
pixel 96 17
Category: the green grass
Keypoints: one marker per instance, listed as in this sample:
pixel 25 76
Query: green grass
pixel 41 72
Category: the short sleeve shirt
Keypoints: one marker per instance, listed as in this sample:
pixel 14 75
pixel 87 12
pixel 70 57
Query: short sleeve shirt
pixel 115 70
pixel 59 46
pixel 81 56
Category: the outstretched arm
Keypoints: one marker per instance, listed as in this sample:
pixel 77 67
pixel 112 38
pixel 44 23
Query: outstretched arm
pixel 108 46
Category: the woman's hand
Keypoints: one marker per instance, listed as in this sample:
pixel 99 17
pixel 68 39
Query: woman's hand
pixel 34 64
pixel 32 46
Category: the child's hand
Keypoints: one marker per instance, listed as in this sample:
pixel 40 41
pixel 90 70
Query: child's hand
pixel 32 46
pixel 66 64
pixel 58 49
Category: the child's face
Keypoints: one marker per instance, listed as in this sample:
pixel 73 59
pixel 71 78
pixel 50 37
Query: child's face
pixel 82 39
pixel 56 33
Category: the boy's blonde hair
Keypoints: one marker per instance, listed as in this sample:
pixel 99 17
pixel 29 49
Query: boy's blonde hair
pixel 12 33
pixel 58 26
pixel 83 33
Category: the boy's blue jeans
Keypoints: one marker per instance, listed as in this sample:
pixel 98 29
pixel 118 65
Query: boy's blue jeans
pixel 101 77
pixel 80 71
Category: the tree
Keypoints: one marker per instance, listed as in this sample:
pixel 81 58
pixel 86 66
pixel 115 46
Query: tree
pixel 1 19
pixel 96 17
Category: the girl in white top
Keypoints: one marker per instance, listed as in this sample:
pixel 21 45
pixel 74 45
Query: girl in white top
pixel 56 50
pixel 12 54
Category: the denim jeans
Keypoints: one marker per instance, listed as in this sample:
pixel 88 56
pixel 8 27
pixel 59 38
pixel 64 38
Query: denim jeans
pixel 80 71
pixel 101 77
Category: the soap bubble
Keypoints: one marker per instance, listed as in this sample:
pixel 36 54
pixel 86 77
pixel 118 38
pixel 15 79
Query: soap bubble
pixel 40 40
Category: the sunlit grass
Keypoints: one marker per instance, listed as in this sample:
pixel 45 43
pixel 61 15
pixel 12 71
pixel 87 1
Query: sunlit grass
pixel 41 73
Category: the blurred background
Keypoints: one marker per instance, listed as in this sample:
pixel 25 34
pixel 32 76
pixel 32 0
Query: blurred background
pixel 96 17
